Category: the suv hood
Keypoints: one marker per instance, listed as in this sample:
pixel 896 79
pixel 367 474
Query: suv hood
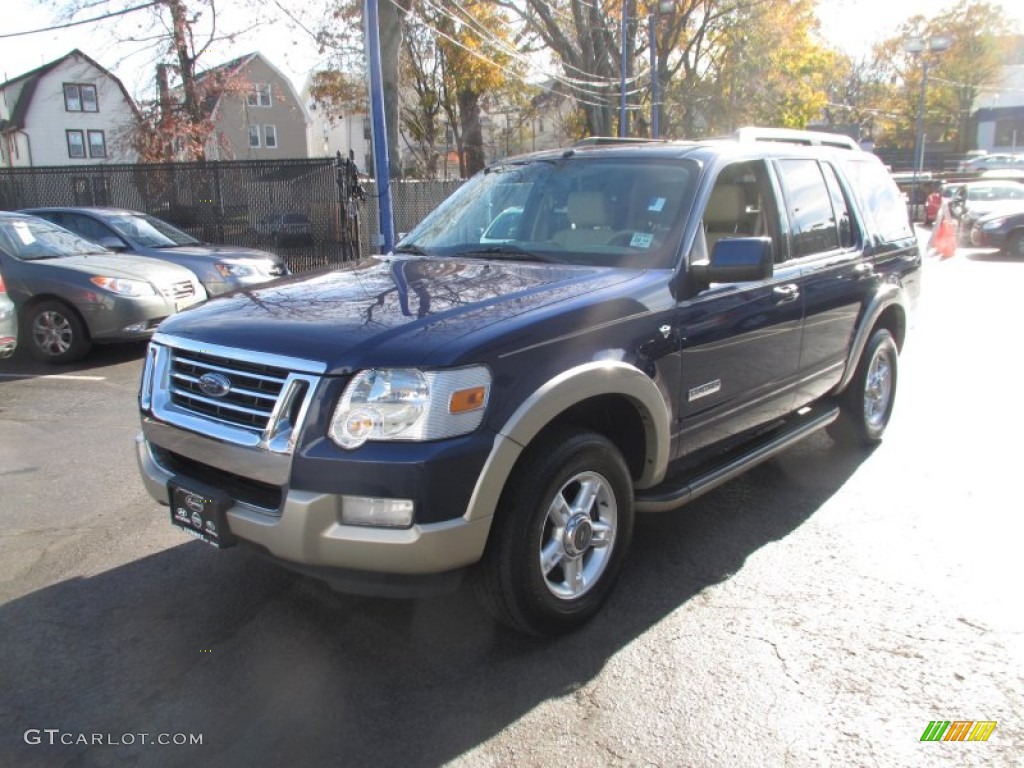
pixel 385 310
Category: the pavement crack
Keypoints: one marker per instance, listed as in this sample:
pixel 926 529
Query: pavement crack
pixel 775 648
pixel 983 630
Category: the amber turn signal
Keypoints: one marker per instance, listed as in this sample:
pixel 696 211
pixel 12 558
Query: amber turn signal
pixel 466 400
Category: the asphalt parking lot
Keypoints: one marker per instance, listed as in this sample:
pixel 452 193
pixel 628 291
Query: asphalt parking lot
pixel 820 610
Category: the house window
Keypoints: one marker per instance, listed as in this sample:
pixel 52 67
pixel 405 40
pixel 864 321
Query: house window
pixel 259 96
pixel 254 136
pixel 79 97
pixel 76 143
pixel 270 136
pixel 97 144
pixel 1009 132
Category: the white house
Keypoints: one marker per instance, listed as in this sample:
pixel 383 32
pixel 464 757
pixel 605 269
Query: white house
pixel 330 133
pixel 70 111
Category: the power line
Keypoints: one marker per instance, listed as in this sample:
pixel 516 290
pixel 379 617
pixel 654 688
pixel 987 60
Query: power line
pixel 94 19
pixel 571 83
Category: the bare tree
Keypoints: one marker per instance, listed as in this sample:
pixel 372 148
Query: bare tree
pixel 180 34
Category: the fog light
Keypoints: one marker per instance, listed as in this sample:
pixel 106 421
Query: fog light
pixel 366 510
pixel 137 327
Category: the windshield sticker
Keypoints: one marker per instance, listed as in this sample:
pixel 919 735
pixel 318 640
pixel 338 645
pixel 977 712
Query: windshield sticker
pixel 641 240
pixel 24 234
pixel 656 204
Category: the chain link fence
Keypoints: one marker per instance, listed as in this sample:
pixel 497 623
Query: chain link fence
pixel 314 213
pixel 307 211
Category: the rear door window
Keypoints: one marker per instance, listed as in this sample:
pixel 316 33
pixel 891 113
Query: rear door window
pixel 815 225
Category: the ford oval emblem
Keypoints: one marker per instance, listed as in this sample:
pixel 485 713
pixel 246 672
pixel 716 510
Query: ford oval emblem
pixel 214 384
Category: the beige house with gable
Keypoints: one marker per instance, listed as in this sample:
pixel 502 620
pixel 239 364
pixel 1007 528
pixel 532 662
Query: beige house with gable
pixel 257 115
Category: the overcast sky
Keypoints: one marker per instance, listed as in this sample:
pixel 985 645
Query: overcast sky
pixel 850 24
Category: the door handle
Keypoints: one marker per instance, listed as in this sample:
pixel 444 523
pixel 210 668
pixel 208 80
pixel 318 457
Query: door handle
pixel 784 294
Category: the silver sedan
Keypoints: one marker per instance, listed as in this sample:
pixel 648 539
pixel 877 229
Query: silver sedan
pixel 71 293
pixel 221 268
pixel 8 323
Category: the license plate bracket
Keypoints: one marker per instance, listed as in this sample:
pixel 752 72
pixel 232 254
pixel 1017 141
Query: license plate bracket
pixel 201 511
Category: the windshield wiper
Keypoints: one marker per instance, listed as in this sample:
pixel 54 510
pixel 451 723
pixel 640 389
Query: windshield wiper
pixel 509 251
pixel 415 250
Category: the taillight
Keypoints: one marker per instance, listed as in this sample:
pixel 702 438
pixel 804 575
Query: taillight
pixel 3 288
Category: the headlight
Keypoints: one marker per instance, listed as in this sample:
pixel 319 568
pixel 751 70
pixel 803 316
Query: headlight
pixel 409 404
pixel 993 224
pixel 123 286
pixel 235 270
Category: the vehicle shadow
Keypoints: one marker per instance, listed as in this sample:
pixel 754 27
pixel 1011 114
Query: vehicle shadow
pixel 275 669
pixel 22 364
pixel 994 256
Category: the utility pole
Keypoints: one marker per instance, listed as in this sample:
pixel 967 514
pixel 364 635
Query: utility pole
pixel 380 135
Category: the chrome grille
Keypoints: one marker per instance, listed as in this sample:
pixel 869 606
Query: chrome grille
pixel 180 290
pixel 253 389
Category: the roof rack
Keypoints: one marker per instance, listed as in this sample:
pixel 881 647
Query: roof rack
pixel 793 136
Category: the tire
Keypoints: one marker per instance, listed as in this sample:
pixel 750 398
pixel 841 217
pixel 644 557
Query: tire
pixel 55 333
pixel 1015 245
pixel 866 405
pixel 560 534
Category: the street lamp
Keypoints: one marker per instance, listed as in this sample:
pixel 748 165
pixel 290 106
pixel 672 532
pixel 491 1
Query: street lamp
pixel 919 46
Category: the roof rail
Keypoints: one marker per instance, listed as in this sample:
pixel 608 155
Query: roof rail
pixel 603 141
pixel 793 136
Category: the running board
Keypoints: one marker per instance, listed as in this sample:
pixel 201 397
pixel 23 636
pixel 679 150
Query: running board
pixel 669 496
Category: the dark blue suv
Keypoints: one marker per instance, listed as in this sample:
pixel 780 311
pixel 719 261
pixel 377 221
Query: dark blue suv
pixel 644 322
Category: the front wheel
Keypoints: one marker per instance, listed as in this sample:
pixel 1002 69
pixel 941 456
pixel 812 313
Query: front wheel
pixel 1015 245
pixel 560 534
pixel 55 332
pixel 867 404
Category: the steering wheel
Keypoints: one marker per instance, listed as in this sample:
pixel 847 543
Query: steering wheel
pixel 621 237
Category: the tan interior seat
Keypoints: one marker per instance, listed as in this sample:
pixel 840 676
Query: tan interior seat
pixel 725 215
pixel 591 223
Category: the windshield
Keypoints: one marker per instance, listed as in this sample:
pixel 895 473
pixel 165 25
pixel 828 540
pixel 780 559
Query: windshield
pixel 580 210
pixel 996 192
pixel 32 239
pixel 149 232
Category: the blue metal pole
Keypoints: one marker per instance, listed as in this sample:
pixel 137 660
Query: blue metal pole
pixel 622 73
pixel 380 134
pixel 655 108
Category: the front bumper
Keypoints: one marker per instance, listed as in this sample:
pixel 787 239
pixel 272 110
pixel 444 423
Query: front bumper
pixel 981 238
pixel 305 529
pixel 118 318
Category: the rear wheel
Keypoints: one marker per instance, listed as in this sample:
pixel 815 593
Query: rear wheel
pixel 560 534
pixel 867 404
pixel 55 333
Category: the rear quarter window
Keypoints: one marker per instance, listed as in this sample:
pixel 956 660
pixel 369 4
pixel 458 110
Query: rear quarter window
pixel 880 199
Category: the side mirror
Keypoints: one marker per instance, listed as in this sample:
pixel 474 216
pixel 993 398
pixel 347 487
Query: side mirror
pixel 112 243
pixel 736 260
